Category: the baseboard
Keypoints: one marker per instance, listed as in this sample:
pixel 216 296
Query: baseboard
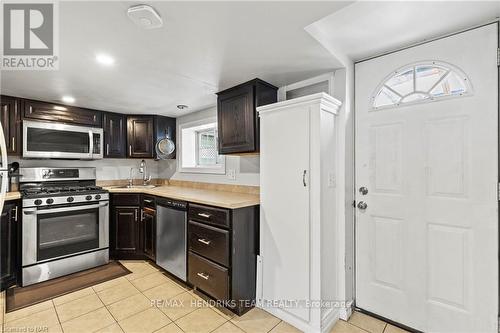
pixel 345 312
pixel 326 325
pixel 329 320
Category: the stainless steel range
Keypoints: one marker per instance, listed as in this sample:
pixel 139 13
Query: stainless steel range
pixel 65 222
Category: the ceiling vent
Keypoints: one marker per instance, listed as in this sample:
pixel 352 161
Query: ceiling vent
pixel 145 16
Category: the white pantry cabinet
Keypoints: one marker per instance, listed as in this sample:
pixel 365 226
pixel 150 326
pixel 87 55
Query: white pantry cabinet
pixel 298 261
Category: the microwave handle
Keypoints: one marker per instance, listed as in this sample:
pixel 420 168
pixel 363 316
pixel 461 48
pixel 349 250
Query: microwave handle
pixel 34 211
pixel 91 140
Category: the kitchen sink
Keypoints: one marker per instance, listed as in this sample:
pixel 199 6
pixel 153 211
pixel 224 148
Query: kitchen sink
pixel 137 186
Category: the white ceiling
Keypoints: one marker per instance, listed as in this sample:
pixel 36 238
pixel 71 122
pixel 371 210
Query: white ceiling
pixel 203 47
pixel 367 28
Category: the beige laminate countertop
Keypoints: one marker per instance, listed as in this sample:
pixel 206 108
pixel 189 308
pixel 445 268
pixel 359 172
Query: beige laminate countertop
pixel 12 195
pixel 224 199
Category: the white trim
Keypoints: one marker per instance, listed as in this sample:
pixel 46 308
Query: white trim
pixel 308 82
pixel 221 169
pixel 327 102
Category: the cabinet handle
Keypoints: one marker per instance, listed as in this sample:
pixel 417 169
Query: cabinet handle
pixel 31 109
pixel 207 216
pixel 204 241
pixel 135 210
pixel 95 118
pixel 15 214
pixel 13 143
pixel 203 275
pixel 142 215
pixel 304 178
pixel 129 150
pixel 148 201
pixel 107 148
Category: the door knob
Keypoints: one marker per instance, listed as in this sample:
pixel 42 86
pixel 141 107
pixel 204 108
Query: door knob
pixel 362 205
pixel 363 190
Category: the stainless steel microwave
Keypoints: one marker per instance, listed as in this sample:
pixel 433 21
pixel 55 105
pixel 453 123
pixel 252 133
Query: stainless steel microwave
pixel 55 140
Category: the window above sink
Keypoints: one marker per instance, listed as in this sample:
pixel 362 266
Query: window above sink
pixel 198 148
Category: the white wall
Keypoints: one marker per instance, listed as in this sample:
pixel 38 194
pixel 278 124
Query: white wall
pixel 246 167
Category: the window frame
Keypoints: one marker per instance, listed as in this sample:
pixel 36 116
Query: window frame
pixel 433 63
pixel 216 169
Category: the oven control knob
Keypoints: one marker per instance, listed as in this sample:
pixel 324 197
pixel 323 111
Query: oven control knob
pixel 88 197
pixel 49 201
pixel 38 202
pixel 97 197
pixel 70 199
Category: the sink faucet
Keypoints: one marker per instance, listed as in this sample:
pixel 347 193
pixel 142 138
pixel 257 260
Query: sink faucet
pixel 130 179
pixel 143 169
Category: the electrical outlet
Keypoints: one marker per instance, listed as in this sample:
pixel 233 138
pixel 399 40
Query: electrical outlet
pixel 231 174
pixel 331 180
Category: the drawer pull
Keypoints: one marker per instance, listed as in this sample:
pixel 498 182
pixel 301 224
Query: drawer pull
pixel 204 241
pixel 148 200
pixel 203 275
pixel 205 215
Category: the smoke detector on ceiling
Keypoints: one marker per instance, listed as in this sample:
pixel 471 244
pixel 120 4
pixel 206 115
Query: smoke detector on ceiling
pixel 145 16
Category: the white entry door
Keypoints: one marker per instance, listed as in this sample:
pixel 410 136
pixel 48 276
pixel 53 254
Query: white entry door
pixel 427 156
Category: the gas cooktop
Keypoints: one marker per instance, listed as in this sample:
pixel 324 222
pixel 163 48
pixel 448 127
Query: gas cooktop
pixel 46 191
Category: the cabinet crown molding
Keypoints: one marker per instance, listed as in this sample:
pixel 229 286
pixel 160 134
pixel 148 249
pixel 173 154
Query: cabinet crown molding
pixel 327 103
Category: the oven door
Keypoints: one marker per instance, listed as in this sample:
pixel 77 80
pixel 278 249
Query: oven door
pixel 54 140
pixel 52 233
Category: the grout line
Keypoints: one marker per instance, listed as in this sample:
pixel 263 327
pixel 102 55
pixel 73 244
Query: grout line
pixel 275 325
pixel 361 328
pixel 57 314
pixel 111 314
pixel 173 322
pixel 83 314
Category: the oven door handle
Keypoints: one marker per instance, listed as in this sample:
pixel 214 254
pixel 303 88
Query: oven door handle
pixel 34 211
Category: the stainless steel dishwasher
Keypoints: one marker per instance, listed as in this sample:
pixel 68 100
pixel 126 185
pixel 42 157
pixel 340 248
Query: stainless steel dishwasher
pixel 171 236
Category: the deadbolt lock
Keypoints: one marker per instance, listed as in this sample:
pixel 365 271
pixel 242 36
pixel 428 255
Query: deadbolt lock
pixel 362 205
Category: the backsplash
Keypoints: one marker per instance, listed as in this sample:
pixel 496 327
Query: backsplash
pixel 106 169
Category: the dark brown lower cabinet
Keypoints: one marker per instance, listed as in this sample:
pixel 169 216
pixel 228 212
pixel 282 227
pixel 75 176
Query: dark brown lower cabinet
pixel 222 254
pixel 9 223
pixel 124 231
pixel 124 239
pixel 132 227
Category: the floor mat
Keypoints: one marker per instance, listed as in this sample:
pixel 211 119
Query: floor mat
pixel 18 298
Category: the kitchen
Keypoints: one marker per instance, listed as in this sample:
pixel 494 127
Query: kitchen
pixel 176 167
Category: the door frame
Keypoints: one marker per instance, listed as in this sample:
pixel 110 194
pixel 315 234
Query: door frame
pixel 354 219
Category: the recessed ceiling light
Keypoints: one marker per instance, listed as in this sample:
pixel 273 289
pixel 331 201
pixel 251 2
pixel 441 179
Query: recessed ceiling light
pixel 68 99
pixel 105 59
pixel 182 106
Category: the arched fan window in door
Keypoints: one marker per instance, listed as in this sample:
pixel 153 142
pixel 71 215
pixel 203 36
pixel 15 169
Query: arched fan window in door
pixel 421 82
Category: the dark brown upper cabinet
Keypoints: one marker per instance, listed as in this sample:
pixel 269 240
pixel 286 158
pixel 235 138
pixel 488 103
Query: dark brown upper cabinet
pixel 115 135
pixel 164 127
pixel 237 118
pixel 10 114
pixel 62 113
pixel 140 134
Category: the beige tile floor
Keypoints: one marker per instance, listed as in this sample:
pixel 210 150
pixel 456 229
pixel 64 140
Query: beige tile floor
pixel 125 305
